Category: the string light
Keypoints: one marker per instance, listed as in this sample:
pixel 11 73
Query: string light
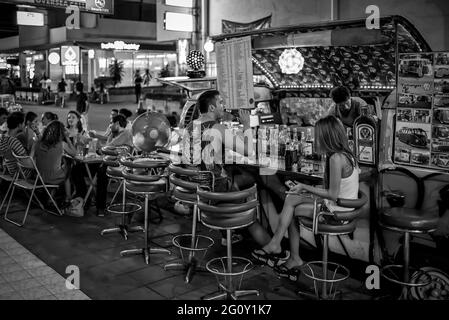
pixel 266 72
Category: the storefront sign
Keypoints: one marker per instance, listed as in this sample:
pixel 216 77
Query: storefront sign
pixel 120 45
pixel 94 6
pixel 54 58
pixel 38 57
pixel 70 55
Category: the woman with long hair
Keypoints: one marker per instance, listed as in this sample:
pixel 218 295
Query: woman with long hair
pixel 30 133
pixel 341 181
pixel 49 153
pixel 75 129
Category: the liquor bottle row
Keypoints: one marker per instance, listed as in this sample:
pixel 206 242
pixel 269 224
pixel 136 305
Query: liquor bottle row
pixel 286 148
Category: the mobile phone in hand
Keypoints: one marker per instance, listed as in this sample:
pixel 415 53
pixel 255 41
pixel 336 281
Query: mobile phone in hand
pixel 290 184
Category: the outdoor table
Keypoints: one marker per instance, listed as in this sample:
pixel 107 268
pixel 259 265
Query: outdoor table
pixel 87 160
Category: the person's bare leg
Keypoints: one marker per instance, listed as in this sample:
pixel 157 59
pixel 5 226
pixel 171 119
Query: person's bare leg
pixel 304 210
pixel 259 234
pixel 274 246
pixel 294 238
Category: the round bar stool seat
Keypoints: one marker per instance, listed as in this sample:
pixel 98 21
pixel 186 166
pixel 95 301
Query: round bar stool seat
pixel 126 210
pixel 413 220
pixel 114 172
pixel 407 221
pixel 327 225
pixel 193 247
pixel 146 177
pixel 329 229
pixel 229 211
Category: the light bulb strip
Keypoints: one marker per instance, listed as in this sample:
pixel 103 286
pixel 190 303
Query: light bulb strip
pixel 266 72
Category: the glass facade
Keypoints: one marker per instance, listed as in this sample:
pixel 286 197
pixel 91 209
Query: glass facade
pixel 133 61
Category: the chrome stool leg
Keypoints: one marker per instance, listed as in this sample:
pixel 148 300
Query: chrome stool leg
pixel 124 229
pixel 191 267
pixel 228 291
pixel 146 251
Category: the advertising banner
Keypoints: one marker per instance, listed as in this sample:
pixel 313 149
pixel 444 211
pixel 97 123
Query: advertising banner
pixel 422 116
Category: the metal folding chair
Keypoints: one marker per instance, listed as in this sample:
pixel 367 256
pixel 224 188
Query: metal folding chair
pixel 5 176
pixel 29 184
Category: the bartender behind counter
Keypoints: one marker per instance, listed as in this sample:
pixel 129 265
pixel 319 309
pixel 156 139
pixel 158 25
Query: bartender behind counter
pixel 347 108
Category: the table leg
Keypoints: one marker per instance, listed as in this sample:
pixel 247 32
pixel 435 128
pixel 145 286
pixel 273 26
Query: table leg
pixel 91 183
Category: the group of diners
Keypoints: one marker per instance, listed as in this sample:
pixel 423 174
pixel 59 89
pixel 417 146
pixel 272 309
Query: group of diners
pixel 54 147
pixel 341 176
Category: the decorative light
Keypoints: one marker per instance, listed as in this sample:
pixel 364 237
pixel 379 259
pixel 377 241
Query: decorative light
pixel 54 58
pixel 291 61
pixel 266 72
pixel 195 60
pixel 91 54
pixel 209 46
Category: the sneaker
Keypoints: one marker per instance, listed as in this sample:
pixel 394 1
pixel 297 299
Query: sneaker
pixel 235 238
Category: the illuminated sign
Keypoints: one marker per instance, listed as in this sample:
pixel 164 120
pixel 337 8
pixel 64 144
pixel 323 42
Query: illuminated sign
pixel 94 6
pixel 179 22
pixel 70 55
pixel 25 18
pixel 120 45
pixel 38 57
pixel 54 58
pixel 180 3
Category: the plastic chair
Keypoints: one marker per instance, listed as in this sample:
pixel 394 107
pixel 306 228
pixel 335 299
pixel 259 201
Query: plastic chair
pixel 22 181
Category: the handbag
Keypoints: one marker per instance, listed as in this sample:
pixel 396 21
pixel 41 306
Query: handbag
pixel 76 208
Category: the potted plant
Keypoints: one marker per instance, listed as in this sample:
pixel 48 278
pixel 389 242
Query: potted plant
pixel 116 72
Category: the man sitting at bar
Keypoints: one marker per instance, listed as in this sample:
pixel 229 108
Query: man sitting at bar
pixel 346 108
pixel 203 146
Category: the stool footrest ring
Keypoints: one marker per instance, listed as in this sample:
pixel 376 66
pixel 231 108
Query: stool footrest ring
pixel 127 208
pixel 388 271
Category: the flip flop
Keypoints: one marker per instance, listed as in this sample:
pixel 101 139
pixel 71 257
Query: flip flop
pixel 288 273
pixel 270 259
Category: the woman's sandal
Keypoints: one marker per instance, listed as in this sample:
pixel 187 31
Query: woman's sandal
pixel 289 273
pixel 270 259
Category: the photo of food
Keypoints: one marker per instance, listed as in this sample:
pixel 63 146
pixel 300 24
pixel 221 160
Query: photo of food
pixel 420 158
pixel 415 101
pixel 441 86
pixel 415 135
pixel 416 66
pixel 441 116
pixel 441 101
pixel 440 160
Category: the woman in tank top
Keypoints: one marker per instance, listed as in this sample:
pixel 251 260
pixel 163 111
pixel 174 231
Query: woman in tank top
pixel 341 180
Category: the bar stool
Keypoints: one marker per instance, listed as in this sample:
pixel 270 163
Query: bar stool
pixel 185 191
pixel 407 221
pixel 228 211
pixel 126 210
pixel 327 225
pixel 145 177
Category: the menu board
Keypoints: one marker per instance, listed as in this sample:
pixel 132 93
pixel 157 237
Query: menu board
pixel 235 73
pixel 422 116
